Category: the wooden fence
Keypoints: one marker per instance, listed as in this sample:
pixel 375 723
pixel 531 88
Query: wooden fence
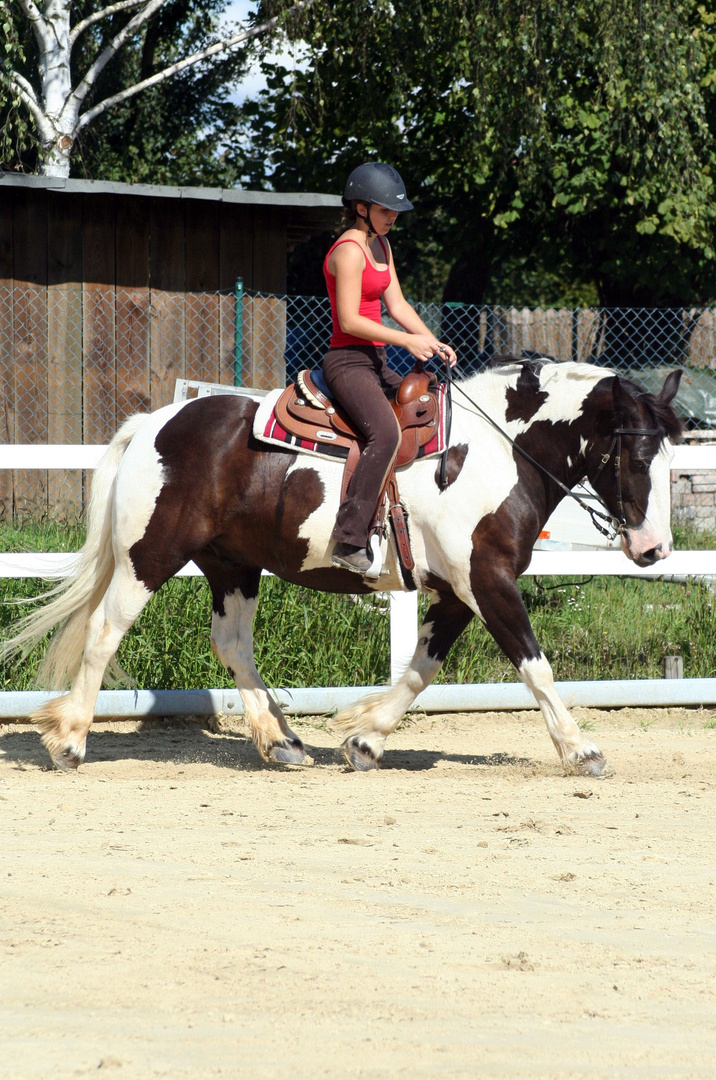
pixel 584 335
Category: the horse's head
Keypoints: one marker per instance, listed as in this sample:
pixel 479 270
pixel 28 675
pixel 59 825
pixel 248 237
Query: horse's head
pixel 629 464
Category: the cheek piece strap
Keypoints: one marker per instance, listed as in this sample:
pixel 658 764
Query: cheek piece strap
pixel 617 442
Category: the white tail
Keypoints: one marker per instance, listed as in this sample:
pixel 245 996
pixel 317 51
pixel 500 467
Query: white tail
pixel 73 601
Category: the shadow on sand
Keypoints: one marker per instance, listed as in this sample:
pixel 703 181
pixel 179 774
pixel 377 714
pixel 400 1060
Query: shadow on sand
pixel 186 742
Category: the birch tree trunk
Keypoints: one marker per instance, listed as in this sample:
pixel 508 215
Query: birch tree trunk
pixel 57 133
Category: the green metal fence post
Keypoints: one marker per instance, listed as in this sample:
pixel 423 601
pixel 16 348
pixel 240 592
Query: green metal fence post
pixel 238 331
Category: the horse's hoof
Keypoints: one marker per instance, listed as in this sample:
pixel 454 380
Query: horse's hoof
pixel 359 755
pixel 593 765
pixel 289 752
pixel 66 760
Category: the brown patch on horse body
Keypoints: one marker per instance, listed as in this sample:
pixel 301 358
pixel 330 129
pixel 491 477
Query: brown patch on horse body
pixel 455 460
pixel 239 509
pixel 525 399
pixel 502 549
pixel 225 578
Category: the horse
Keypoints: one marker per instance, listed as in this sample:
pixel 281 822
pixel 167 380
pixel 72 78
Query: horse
pixel 192 482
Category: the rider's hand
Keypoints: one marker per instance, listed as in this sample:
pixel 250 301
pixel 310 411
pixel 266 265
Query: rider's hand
pixel 445 352
pixel 424 347
pixel 421 346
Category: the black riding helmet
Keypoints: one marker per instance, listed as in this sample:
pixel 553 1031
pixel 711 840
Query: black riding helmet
pixel 376 182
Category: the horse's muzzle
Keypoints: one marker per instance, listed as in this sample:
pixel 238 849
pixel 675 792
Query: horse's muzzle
pixel 650 555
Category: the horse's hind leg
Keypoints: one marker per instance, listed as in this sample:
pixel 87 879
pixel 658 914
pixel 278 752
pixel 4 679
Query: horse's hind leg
pixel 66 720
pixel 235 601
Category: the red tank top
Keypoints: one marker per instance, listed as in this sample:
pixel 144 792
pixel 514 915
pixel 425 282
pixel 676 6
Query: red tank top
pixel 373 285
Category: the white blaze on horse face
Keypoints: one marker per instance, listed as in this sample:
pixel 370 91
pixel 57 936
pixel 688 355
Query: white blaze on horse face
pixel 654 534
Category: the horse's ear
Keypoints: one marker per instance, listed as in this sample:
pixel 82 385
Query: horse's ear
pixel 670 388
pixel 619 396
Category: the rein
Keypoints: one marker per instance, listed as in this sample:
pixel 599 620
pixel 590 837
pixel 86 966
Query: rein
pixel 609 531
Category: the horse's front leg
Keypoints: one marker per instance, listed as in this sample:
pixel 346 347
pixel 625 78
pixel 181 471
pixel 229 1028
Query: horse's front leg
pixel 502 609
pixel 367 724
pixel 235 598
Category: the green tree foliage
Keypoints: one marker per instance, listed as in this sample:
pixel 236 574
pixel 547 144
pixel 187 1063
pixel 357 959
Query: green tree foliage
pixel 16 139
pixel 575 138
pixel 629 153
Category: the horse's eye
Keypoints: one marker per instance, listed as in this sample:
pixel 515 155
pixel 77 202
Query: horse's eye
pixel 639 466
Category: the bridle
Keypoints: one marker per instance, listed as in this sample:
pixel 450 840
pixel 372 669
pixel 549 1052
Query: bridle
pixel 616 524
pixel 616 443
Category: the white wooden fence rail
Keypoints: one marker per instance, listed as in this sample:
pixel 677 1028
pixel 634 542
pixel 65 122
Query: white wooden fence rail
pixel 403 606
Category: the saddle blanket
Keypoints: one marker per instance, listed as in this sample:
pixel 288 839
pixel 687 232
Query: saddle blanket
pixel 267 429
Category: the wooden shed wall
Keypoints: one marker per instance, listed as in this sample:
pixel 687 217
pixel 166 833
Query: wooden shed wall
pixel 105 300
pixel 52 237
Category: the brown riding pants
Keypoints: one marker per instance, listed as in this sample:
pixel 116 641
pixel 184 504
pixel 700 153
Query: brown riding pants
pixel 361 381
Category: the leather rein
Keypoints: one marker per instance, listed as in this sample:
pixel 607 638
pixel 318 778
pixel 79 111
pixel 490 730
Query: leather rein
pixel 610 530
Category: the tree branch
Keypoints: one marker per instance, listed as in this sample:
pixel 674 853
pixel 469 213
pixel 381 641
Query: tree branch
pixel 78 95
pixel 161 76
pixel 27 96
pixel 123 5
pixel 23 84
pixel 39 26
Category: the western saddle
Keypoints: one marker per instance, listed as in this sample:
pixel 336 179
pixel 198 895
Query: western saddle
pixel 307 410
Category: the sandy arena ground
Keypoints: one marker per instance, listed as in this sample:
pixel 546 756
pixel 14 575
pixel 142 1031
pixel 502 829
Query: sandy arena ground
pixel 177 908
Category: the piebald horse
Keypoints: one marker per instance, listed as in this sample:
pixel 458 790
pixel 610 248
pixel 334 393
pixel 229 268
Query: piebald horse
pixel 192 482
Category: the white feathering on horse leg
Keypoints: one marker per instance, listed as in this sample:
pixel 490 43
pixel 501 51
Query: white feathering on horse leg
pixel 578 754
pixel 65 721
pixel 64 737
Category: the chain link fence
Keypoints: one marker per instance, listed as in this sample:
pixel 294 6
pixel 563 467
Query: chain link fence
pixel 76 361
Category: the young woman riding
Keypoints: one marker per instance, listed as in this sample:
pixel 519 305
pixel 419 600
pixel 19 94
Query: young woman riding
pixel 359 272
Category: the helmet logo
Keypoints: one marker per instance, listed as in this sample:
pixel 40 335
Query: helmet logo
pixel 401 196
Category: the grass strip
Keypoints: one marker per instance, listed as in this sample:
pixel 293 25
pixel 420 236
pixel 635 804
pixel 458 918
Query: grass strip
pixel 603 628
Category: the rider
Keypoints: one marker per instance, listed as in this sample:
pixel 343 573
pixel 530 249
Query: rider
pixel 359 271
